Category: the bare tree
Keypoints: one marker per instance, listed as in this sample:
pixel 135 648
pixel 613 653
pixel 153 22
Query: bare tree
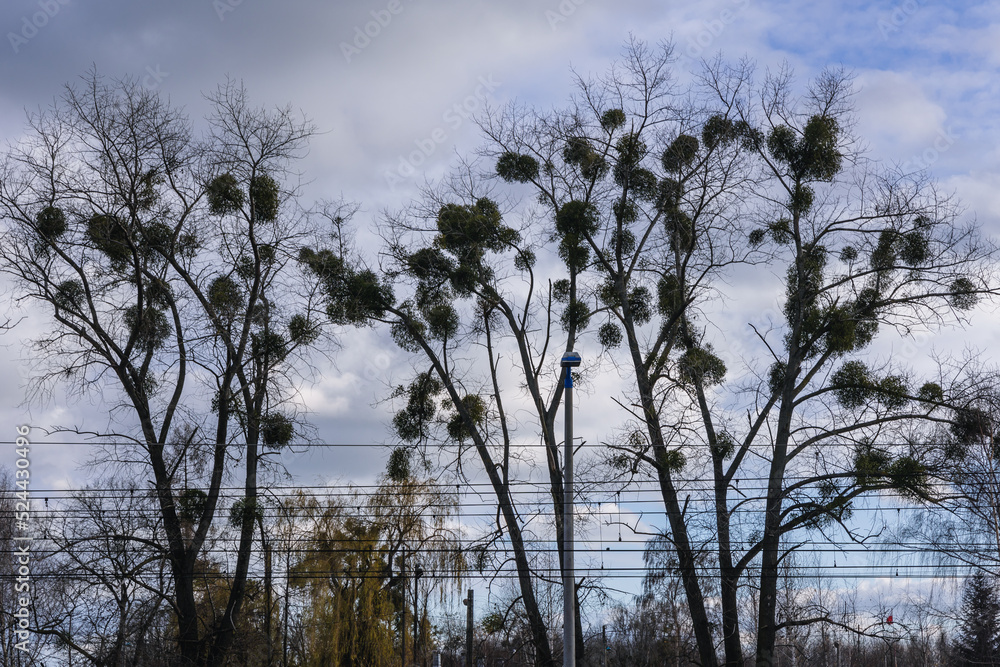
pixel 112 582
pixel 461 291
pixel 675 205
pixel 165 265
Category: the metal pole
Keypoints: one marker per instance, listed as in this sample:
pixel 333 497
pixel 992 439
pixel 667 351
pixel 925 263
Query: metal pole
pixel 402 620
pixel 468 630
pixel 569 361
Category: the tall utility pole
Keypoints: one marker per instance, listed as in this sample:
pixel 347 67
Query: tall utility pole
pixel 468 630
pixel 402 618
pixel 569 361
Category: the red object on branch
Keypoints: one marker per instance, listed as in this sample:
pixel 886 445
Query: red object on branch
pixel 889 619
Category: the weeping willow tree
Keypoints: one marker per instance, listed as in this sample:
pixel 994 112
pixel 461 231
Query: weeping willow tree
pixel 358 571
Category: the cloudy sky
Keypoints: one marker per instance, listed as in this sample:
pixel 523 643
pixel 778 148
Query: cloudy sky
pixel 391 85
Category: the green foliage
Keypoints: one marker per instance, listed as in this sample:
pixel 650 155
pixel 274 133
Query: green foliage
pixel 580 153
pixel 620 461
pixel 608 293
pixel 757 237
pixel 914 249
pixel 609 335
pixel 625 211
pixel 776 377
pixel 190 504
pixel 612 119
pixel 673 460
pixel 781 231
pixel 751 138
pixel 352 296
pixel 909 476
pixel 802 199
pixel 50 224
pixel 681 230
pixel 892 392
pixel 804 282
pixel 724 446
pixel 224 195
pixel 883 257
pixel 405 337
pixel 560 290
pixel 265 198
pixel 413 423
pixel 870 464
pixel 69 295
pixel 575 314
pixel 268 347
pixel 276 429
pixel 398 467
pixel 524 259
pixel 814 156
pixel 493 623
pixel 158 236
pixel 849 328
pixel 669 195
pixel 458 428
pixel 187 245
pixel 718 130
pixel 680 153
pixel 301 331
pixel 852 384
pixel 971 425
pixel 430 265
pixel 875 467
pixel 468 233
pixel 442 321
pixel 627 172
pixel 244 509
pixel 577 218
pixel 575 222
pixel 781 143
pixel 576 150
pixel 513 167
pixel 818 148
pixel 643 185
pixel 700 365
pixel 640 305
pixel 226 298
pixel 108 235
pixel 848 254
pixel 670 296
pixel 964 295
pixel 146 193
pixel 931 392
pixel 893 248
pixel 977 641
pixel 149 327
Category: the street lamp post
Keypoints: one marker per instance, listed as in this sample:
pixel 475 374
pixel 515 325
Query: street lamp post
pixel 569 361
